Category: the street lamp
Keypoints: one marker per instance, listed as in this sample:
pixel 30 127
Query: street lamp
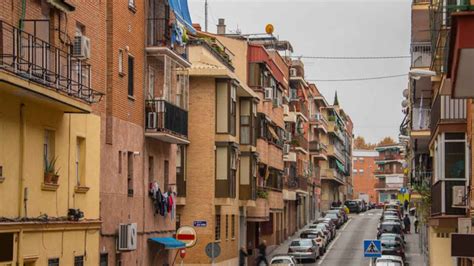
pixel 417 73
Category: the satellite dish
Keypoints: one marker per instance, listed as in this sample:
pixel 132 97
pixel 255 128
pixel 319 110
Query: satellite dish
pixel 405 93
pixel 269 29
pixel 405 103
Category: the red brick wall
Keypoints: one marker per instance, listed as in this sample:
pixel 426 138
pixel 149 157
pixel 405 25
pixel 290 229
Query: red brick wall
pixel 364 182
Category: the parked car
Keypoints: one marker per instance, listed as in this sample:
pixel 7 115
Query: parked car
pixel 393 247
pixel 387 260
pixel 318 236
pixel 330 223
pixel 392 206
pixel 353 206
pixel 283 260
pixel 325 228
pixel 335 217
pixel 392 236
pixel 390 227
pixel 341 211
pixel 391 212
pixel 304 249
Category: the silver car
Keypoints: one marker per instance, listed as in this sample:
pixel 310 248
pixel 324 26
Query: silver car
pixel 283 260
pixel 304 249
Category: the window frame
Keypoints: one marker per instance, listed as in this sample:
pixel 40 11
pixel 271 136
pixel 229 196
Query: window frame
pixel 131 76
pixel 120 62
pixel 81 161
pixel 217 227
pixel 130 172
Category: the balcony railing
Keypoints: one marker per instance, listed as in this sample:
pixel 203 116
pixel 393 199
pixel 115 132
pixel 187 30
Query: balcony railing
pixel 300 183
pixel 39 61
pixel 421 178
pixel 300 141
pixel 159 34
pixel 388 157
pixel 388 171
pixel 165 117
pixel 421 54
pixel 445 108
pixel 317 146
pixel 380 184
pixel 421 118
pixel 437 198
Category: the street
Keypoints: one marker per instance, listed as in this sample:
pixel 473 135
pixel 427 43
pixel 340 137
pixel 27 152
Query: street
pixel 347 249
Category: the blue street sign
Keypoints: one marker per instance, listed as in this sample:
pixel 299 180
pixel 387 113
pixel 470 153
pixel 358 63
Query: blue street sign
pixel 403 190
pixel 200 223
pixel 372 248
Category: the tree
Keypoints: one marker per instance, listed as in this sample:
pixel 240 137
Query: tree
pixel 386 141
pixel 359 143
pixel 336 101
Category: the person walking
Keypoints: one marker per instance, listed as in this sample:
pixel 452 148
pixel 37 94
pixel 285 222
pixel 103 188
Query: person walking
pixel 262 256
pixel 416 222
pixel 242 256
pixel 406 204
pixel 407 223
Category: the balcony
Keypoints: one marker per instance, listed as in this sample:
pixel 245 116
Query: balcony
pixel 447 110
pixel 297 183
pixel 442 203
pixel 166 122
pixel 380 185
pixel 319 122
pixel 332 175
pixel 335 151
pixel 382 172
pixel 387 157
pixel 318 149
pixel 421 118
pixel 300 141
pixel 301 108
pixel 421 55
pixel 33 67
pixel 261 211
pixel 159 41
pixel 421 178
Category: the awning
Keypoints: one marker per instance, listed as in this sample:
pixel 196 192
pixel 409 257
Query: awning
pixel 181 10
pixel 168 242
pixel 62 5
pixel 340 166
pixel 273 133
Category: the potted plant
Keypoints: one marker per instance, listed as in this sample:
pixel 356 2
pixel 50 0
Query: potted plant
pixel 51 175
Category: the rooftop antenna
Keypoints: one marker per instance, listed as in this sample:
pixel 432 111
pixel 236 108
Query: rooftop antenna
pixel 205 16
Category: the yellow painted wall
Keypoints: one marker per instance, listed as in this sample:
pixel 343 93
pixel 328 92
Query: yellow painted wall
pixel 38 116
pixel 439 248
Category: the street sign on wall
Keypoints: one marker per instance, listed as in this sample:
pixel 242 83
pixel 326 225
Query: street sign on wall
pixel 200 223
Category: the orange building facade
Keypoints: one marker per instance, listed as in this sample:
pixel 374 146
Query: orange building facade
pixel 363 178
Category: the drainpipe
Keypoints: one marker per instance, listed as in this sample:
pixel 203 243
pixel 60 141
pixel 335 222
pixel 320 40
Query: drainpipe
pixel 21 178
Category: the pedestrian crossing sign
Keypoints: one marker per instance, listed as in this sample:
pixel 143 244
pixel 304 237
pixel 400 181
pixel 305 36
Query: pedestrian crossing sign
pixel 372 248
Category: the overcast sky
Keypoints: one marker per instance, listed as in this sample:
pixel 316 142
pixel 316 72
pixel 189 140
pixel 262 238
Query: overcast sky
pixel 335 28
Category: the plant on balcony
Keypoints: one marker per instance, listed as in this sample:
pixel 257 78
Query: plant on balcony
pixel 295 142
pixel 262 194
pixel 51 175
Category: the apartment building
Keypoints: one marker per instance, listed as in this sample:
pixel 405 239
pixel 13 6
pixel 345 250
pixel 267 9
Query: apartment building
pixel 440 117
pixel 144 130
pixel 389 172
pixel 336 180
pixel 363 178
pixel 50 126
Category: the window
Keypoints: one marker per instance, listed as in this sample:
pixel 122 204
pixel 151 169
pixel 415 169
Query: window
pixel 151 168
pixel 217 228
pixel 361 159
pixel 131 62
pixel 226 227
pixel 120 62
pixel 232 228
pixel 53 262
pixel 245 121
pixel 80 161
pixel 361 171
pixel 48 147
pixel 79 261
pixel 233 109
pixel 130 173
pixel 166 175
pixel 104 259
pixel 6 250
pixel 120 162
pixel 181 170
pixel 454 156
pixel 354 171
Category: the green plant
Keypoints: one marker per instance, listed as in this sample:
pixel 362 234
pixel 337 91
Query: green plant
pixel 425 204
pixel 50 166
pixel 262 194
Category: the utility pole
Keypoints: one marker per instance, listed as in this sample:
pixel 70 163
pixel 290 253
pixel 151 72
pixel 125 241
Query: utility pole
pixel 205 16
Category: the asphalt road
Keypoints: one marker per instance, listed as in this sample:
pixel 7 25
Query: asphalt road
pixel 347 248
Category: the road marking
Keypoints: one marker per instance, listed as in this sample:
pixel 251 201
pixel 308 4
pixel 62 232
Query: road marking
pixel 333 242
pixel 370 214
pixel 361 214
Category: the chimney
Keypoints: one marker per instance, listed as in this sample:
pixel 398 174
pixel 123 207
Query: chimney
pixel 221 27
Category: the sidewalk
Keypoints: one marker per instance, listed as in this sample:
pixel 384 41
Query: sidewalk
pixel 283 247
pixel 413 252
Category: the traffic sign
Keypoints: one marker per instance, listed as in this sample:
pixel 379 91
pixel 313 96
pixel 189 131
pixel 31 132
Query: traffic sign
pixel 200 223
pixel 182 253
pixel 403 190
pixel 213 250
pixel 187 234
pixel 372 248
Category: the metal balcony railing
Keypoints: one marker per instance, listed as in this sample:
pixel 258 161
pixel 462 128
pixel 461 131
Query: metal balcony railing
pixel 421 54
pixel 380 184
pixel 300 140
pixel 421 118
pixel 31 58
pixel 165 117
pixel 444 108
pixel 159 34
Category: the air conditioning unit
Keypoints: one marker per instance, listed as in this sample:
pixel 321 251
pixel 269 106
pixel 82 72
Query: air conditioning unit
pixel 288 136
pixel 459 197
pixel 81 47
pixel 268 93
pixel 318 117
pixel 293 72
pixel 127 237
pixel 286 148
pixel 151 120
